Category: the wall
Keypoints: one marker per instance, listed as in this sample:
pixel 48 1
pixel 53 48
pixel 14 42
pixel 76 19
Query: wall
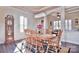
pixel 73 35
pixel 49 19
pixel 73 16
pixel 16 13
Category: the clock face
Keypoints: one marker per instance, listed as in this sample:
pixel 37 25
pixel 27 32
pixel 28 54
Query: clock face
pixel 9 22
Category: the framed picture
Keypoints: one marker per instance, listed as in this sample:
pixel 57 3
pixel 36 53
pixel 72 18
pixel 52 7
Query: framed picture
pixel 76 21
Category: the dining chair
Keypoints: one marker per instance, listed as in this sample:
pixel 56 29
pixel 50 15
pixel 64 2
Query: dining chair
pixel 53 44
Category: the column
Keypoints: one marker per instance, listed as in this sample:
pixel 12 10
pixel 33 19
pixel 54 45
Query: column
pixel 62 9
pixel 62 17
pixel 45 24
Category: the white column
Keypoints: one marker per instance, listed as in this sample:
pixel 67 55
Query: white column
pixel 62 9
pixel 45 18
pixel 62 17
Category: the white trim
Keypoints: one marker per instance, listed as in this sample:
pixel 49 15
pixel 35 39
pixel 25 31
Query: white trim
pixel 40 15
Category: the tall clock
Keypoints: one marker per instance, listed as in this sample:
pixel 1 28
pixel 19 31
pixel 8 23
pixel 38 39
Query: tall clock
pixel 9 29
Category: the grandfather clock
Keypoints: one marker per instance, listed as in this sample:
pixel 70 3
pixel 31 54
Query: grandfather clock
pixel 9 29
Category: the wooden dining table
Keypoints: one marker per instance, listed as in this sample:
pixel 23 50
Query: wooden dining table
pixel 39 39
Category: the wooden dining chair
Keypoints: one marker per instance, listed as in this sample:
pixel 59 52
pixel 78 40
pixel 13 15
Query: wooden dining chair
pixel 33 32
pixel 39 43
pixel 49 31
pixel 29 36
pixel 53 44
pixel 64 50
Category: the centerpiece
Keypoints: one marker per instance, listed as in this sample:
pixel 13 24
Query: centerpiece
pixel 39 26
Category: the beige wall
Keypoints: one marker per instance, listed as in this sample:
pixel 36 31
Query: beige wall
pixel 51 18
pixel 16 13
pixel 73 16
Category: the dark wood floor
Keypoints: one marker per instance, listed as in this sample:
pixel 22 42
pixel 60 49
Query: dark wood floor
pixel 74 47
pixel 10 48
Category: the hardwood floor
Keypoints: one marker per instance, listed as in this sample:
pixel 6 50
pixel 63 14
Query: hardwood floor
pixel 12 47
pixel 74 47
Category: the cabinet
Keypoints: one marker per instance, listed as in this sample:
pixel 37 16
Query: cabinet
pixel 9 29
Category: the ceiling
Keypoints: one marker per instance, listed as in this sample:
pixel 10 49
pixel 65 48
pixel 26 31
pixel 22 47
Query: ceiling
pixel 72 9
pixel 35 9
pixel 47 9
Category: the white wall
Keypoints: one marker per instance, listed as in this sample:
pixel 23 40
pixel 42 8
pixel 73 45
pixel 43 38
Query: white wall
pixel 71 36
pixel 16 13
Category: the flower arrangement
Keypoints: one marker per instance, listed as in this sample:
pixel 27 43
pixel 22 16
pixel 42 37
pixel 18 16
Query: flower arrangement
pixel 39 26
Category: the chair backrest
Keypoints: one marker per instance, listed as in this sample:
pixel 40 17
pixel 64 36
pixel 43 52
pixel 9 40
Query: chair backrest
pixel 30 31
pixel 49 31
pixel 60 33
pixel 33 32
pixel 64 50
pixel 54 42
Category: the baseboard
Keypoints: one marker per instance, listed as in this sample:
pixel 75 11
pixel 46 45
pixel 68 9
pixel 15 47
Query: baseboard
pixel 71 42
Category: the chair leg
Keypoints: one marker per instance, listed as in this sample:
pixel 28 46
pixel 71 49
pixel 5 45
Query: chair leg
pixel 69 50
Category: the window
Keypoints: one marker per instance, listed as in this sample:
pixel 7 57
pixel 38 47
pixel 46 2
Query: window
pixel 57 25
pixel 68 25
pixel 23 23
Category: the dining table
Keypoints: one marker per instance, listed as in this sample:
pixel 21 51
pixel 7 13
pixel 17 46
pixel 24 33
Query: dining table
pixel 40 40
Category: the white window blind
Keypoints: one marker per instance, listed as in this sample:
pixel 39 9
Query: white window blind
pixel 23 23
